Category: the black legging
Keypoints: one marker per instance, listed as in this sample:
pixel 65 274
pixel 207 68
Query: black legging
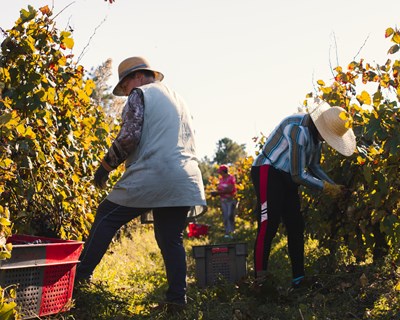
pixel 278 199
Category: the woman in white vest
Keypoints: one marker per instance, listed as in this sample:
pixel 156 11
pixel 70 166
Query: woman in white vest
pixel 156 142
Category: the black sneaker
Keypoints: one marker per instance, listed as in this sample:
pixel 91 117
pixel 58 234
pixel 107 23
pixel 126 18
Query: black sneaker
pixel 264 284
pixel 299 282
pixel 170 307
pixel 305 283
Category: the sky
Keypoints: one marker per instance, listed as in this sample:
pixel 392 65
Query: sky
pixel 241 66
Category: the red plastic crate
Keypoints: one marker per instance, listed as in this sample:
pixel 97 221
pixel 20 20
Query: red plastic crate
pixel 44 271
pixel 196 230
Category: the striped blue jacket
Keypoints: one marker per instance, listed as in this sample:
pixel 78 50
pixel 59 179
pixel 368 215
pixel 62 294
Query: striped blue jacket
pixel 292 149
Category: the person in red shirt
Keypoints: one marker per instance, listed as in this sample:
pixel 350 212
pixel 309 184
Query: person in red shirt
pixel 226 190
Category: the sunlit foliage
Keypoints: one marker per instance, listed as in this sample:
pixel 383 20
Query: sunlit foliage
pixel 51 133
pixel 366 218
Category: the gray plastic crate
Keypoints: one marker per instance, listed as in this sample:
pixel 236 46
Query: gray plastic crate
pixel 220 261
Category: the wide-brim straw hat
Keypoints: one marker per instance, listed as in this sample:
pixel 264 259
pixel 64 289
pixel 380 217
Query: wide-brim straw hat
pixel 130 65
pixel 332 127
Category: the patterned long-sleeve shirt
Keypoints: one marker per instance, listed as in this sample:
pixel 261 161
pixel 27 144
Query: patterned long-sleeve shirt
pixel 130 133
pixel 292 148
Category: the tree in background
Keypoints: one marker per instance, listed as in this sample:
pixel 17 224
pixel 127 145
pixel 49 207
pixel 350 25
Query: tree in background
pixel 102 95
pixel 207 169
pixel 229 151
pixel 234 154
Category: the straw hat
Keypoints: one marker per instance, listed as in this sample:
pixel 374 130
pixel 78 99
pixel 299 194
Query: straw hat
pixel 130 65
pixel 333 128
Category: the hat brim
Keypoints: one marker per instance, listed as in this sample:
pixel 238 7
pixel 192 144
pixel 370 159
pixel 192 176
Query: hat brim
pixel 117 91
pixel 344 144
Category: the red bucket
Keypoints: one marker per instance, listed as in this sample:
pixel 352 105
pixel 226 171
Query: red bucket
pixel 196 230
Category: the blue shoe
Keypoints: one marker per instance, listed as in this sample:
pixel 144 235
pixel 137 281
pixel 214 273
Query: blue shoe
pixel 298 282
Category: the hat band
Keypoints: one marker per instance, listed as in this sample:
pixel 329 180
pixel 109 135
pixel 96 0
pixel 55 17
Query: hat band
pixel 126 72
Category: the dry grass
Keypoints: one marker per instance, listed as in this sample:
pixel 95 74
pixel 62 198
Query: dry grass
pixel 130 280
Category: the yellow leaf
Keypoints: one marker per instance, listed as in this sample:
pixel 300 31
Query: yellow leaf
pixel 4 74
pixel 343 115
pixel 6 162
pixel 83 96
pixel 69 43
pixel 349 124
pixel 372 150
pixel 20 129
pixel 90 217
pixel 89 121
pixel 62 61
pixel 50 95
pixel 326 90
pixel 4 255
pixel 75 178
pixel 4 222
pixel 66 40
pixel 360 160
pixel 396 38
pixel 364 97
pixel 89 86
pixel 388 32
pixel 397 287
pixel 321 82
pixel 59 159
pixel 29 133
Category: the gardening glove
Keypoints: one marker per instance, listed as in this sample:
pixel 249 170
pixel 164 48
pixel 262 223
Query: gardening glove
pixel 333 190
pixel 101 177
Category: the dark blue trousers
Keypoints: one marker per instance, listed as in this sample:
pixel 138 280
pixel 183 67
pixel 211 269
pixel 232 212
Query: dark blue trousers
pixel 169 224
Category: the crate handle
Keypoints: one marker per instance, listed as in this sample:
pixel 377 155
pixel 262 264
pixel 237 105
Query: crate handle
pixel 38 265
pixel 219 250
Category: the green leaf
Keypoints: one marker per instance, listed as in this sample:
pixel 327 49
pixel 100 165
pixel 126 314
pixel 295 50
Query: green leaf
pixel 5 118
pixel 25 16
pixel 377 98
pixel 367 172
